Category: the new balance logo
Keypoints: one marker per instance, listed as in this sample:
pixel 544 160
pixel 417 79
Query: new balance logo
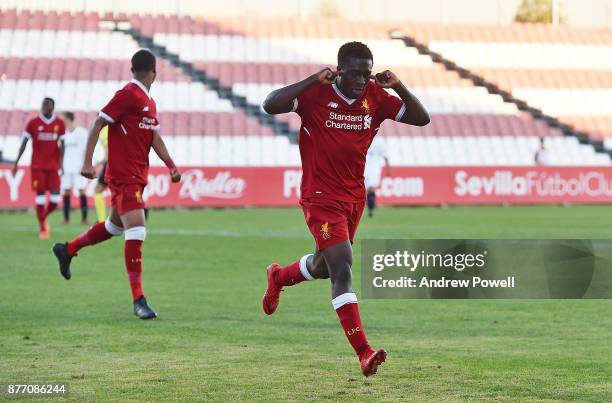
pixel 332 105
pixel 145 109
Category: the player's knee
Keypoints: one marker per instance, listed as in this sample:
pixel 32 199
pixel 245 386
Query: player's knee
pixel 112 229
pixel 317 266
pixel 55 198
pixel 135 234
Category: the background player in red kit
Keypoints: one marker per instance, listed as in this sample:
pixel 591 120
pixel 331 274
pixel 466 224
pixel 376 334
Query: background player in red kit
pixel 341 112
pixel 46 132
pixel 133 130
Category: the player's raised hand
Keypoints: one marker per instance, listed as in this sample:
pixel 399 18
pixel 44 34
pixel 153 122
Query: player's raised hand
pixel 175 175
pixel 88 171
pixel 386 79
pixel 327 75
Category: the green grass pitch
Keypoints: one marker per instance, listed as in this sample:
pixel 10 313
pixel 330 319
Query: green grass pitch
pixel 204 272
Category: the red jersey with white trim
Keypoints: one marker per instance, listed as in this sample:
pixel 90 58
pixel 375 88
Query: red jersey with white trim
pixel 132 117
pixel 45 135
pixel 335 135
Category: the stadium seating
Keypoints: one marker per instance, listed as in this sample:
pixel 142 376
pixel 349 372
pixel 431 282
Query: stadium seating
pixel 565 72
pixel 73 58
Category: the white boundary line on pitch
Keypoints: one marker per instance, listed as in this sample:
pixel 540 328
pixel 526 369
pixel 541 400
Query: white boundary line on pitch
pixel 183 232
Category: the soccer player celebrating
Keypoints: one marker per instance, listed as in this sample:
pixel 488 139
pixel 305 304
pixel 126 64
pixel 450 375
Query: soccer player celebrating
pixel 46 132
pixel 341 112
pixel 74 152
pixel 133 130
pixel 376 158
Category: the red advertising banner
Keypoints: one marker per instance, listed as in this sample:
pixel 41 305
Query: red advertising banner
pixel 279 186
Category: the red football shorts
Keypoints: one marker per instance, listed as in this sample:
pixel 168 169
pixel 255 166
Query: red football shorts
pixel 126 197
pixel 45 180
pixel 331 221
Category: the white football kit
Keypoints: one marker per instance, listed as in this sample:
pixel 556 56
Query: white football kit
pixel 74 152
pixel 375 161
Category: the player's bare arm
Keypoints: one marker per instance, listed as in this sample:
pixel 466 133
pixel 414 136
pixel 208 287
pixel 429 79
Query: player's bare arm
pixel 281 100
pixel 415 114
pixel 94 133
pixel 22 147
pixel 162 152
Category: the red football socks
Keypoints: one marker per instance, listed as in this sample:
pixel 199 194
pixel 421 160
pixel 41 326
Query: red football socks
pixel 40 214
pixel 95 234
pixel 133 264
pixel 347 310
pixel 50 208
pixel 289 275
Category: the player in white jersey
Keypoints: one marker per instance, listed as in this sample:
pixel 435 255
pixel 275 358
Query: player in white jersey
pixel 74 143
pixel 542 156
pixel 376 159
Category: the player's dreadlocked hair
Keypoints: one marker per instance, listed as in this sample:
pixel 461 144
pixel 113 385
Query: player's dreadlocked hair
pixel 354 49
pixel 143 61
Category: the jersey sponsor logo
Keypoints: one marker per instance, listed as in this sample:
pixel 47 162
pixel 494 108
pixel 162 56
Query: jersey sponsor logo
pixel 195 185
pixel 332 104
pixel 367 122
pixel 325 234
pixel 147 123
pixel 44 136
pixel 365 106
pixel 348 121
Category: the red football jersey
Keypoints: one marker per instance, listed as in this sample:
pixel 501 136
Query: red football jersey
pixel 132 117
pixel 45 135
pixel 335 135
